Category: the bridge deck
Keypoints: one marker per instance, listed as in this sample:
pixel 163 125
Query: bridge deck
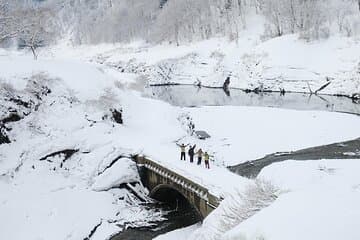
pixel 207 185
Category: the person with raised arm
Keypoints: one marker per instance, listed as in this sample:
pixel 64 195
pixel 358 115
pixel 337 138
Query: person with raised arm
pixel 182 151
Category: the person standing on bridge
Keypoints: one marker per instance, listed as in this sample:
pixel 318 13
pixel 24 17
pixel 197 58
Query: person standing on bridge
pixel 191 153
pixel 183 151
pixel 206 159
pixel 200 154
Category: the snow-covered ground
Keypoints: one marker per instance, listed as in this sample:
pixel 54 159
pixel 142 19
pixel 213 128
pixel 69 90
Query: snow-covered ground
pixel 248 133
pixel 318 200
pixel 322 202
pixel 66 104
pixel 285 62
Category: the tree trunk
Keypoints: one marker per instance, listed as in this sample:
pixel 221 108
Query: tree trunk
pixel 176 34
pixel 34 52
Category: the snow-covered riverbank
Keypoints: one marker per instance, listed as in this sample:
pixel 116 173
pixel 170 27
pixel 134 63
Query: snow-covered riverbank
pixel 319 201
pixel 285 62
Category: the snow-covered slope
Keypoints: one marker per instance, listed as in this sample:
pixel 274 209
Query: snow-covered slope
pixel 322 203
pixel 67 167
pixel 286 62
pixel 68 154
pixel 311 200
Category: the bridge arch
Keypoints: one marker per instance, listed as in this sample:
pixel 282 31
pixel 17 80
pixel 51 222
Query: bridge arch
pixel 175 197
pixel 166 185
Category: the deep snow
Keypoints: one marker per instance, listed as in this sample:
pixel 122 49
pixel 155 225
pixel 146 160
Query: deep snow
pixel 61 198
pixel 322 202
pixel 318 200
pixel 285 62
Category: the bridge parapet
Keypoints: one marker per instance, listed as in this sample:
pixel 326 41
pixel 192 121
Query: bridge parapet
pixel 158 177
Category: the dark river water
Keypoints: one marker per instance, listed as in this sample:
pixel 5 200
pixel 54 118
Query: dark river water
pixel 174 220
pixel 190 96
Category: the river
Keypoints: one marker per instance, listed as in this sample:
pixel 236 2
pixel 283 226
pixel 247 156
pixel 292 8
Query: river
pixel 192 96
pixel 175 219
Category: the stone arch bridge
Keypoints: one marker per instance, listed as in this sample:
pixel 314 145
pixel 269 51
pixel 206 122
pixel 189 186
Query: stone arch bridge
pixel 158 178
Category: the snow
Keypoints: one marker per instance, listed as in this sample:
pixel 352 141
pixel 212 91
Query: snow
pixel 285 62
pixel 317 200
pixel 123 171
pixel 66 198
pixel 85 80
pixel 288 58
pixel 59 193
pixel 240 134
pixel 322 203
pixel 41 205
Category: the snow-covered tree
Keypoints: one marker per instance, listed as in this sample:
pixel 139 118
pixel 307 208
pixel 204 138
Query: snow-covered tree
pixel 30 24
pixel 40 28
pixel 11 23
pixel 5 21
pixel 236 208
pixel 96 21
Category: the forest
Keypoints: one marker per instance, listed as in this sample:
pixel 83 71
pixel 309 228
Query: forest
pixel 42 22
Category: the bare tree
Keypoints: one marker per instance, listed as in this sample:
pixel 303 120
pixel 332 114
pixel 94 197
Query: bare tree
pixel 40 28
pixel 274 12
pixel 31 25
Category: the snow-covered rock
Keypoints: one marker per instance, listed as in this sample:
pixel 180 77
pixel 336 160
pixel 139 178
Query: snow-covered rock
pixel 122 171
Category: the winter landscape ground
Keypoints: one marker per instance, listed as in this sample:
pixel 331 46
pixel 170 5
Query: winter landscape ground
pixel 72 121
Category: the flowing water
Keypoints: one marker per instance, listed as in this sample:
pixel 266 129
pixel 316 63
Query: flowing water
pixel 177 216
pixel 175 219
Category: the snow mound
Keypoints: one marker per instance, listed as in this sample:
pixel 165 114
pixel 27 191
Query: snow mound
pixel 85 80
pixel 322 203
pixel 122 171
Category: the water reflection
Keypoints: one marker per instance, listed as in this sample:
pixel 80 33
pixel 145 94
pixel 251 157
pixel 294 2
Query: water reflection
pixel 190 96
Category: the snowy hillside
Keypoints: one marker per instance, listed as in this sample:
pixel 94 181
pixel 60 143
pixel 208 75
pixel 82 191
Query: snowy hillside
pixel 67 155
pixel 287 63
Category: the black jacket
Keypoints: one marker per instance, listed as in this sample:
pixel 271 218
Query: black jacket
pixel 191 151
